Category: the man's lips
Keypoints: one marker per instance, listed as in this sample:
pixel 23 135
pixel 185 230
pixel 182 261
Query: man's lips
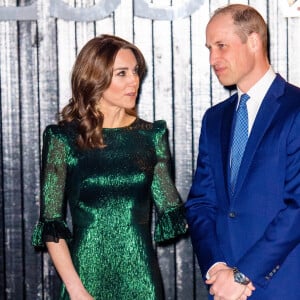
pixel 219 70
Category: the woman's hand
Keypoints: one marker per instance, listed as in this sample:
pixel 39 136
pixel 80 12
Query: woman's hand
pixel 61 258
pixel 80 294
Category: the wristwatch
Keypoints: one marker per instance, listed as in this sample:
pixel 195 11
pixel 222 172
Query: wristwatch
pixel 240 277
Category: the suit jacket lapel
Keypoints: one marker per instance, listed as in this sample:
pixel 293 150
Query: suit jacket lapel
pixel 226 135
pixel 265 115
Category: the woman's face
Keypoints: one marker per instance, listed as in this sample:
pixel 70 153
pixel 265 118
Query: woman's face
pixel 123 89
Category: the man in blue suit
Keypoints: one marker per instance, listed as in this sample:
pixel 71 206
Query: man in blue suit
pixel 243 208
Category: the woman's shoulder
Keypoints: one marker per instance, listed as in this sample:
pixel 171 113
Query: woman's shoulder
pixel 157 126
pixel 62 131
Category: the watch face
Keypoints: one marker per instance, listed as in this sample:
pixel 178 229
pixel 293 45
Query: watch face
pixel 240 277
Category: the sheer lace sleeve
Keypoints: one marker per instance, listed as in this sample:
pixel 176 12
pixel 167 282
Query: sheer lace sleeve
pixel 170 210
pixel 52 225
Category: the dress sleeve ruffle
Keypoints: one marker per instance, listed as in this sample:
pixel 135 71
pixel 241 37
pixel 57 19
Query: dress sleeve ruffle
pixel 171 220
pixel 50 231
pixel 170 224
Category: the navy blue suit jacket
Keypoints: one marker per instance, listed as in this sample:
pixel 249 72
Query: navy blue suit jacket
pixel 258 228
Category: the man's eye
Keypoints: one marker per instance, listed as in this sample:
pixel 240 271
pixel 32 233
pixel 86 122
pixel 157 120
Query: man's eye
pixel 221 46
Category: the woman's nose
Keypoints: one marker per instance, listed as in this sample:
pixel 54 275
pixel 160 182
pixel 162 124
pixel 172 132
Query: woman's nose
pixel 134 78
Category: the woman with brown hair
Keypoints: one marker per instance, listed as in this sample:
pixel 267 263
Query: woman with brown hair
pixel 108 165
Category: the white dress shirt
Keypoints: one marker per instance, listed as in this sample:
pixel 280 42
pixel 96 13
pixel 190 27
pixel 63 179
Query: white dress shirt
pixel 257 94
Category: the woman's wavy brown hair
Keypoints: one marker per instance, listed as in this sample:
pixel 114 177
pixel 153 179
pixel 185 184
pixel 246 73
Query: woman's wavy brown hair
pixel 91 76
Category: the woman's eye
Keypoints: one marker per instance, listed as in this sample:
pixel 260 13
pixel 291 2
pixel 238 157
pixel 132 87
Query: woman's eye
pixel 121 73
pixel 136 70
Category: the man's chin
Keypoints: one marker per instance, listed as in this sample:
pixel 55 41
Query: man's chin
pixel 227 84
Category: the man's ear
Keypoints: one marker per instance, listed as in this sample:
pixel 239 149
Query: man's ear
pixel 254 41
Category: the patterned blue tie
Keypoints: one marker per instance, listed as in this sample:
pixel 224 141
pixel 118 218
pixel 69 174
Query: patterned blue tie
pixel 239 140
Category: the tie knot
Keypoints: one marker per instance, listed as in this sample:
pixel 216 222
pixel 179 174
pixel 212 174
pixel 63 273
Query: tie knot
pixel 244 99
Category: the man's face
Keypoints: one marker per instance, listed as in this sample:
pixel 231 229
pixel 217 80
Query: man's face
pixel 232 60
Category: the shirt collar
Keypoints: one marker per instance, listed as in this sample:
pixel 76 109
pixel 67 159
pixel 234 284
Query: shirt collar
pixel 259 90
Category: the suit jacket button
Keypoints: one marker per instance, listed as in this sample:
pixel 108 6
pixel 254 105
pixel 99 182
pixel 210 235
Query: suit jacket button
pixel 232 214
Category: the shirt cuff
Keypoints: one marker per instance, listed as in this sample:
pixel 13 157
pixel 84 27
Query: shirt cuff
pixel 219 262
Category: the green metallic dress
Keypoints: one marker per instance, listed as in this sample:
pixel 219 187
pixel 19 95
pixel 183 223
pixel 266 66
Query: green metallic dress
pixel 110 192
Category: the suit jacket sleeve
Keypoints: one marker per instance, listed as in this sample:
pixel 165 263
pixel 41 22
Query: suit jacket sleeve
pixel 201 208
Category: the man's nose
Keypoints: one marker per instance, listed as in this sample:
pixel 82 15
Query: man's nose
pixel 213 56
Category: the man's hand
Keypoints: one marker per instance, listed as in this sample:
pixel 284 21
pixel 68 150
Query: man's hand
pixel 223 286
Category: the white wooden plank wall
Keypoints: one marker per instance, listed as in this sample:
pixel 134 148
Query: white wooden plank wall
pixel 37 52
